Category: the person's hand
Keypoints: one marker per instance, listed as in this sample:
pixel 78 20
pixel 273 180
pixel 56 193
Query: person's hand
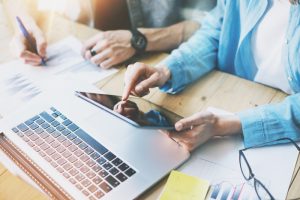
pixel 110 47
pixel 139 78
pixel 195 130
pixel 23 50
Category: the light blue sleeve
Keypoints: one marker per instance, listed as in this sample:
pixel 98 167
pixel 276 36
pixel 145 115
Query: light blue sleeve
pixel 198 55
pixel 270 122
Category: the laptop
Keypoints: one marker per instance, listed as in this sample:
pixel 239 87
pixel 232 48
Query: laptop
pixel 80 151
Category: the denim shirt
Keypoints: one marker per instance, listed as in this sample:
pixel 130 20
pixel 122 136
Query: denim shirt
pixel 224 43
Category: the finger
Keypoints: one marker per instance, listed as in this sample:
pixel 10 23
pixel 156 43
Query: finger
pixel 100 46
pixel 30 56
pixel 187 123
pixel 131 77
pixel 102 56
pixel 32 62
pixel 176 134
pixel 90 43
pixel 41 43
pixel 143 86
pixel 110 63
pixel 141 94
pixel 88 55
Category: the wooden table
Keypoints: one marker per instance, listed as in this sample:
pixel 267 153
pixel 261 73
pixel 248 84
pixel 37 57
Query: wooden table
pixel 216 89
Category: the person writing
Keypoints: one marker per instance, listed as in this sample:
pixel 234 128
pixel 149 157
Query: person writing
pixel 254 39
pixel 122 30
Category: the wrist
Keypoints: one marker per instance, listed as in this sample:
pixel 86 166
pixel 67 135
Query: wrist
pixel 228 125
pixel 138 41
pixel 162 39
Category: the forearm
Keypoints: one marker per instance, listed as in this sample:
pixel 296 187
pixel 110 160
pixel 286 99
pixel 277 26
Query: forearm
pixel 270 122
pixel 163 39
pixel 196 57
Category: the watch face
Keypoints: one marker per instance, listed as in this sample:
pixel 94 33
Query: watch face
pixel 139 41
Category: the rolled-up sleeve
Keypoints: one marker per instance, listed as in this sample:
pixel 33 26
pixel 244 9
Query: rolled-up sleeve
pixel 198 55
pixel 270 122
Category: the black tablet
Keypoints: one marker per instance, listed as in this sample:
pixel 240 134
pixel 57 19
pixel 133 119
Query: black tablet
pixel 136 111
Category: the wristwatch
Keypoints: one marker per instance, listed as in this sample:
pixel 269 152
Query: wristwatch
pixel 138 41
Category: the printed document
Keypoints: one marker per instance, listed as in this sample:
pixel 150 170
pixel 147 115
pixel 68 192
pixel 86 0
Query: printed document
pixel 19 83
pixel 218 162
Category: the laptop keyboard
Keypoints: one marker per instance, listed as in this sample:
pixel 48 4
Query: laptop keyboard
pixel 86 163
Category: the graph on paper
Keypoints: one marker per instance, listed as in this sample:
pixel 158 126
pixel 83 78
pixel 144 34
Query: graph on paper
pixel 218 162
pixel 19 83
pixel 19 86
pixel 229 191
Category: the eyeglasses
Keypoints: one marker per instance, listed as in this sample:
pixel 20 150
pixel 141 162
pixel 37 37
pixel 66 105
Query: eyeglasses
pixel 260 189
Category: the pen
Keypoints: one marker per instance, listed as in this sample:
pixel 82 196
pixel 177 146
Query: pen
pixel 28 38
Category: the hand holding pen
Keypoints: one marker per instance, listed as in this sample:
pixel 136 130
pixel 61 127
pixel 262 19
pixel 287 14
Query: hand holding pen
pixel 29 43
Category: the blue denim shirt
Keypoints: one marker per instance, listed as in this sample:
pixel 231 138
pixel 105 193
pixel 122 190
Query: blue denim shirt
pixel 224 42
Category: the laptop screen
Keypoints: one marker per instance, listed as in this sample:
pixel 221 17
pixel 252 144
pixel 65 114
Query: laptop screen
pixel 136 111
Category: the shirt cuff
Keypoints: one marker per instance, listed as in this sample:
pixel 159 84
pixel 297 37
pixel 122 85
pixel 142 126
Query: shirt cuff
pixel 173 85
pixel 252 126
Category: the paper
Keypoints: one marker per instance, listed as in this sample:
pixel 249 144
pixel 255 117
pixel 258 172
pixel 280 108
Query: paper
pixel 64 59
pixel 218 162
pixel 183 187
pixel 226 184
pixel 19 83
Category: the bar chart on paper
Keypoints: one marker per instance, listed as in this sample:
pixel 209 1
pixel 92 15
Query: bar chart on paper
pixel 225 183
pixel 217 162
pixel 228 191
pixel 19 83
pixel 24 88
pixel 16 88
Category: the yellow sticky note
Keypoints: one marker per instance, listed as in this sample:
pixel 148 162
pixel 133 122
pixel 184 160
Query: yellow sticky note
pixel 183 187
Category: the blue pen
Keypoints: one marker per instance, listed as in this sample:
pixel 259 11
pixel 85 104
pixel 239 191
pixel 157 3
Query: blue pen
pixel 28 38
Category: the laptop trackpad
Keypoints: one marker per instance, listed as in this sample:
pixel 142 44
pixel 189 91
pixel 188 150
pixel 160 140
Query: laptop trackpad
pixel 106 127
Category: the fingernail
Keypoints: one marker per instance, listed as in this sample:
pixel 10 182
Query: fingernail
pixel 178 126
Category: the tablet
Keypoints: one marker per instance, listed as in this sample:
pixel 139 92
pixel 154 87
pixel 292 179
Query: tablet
pixel 135 111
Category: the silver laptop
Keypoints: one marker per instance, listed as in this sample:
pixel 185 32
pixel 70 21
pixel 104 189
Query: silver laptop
pixel 87 151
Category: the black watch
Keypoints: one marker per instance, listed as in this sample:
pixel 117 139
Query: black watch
pixel 138 41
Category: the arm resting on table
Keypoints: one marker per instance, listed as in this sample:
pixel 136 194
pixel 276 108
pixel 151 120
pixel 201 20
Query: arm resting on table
pixel 270 122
